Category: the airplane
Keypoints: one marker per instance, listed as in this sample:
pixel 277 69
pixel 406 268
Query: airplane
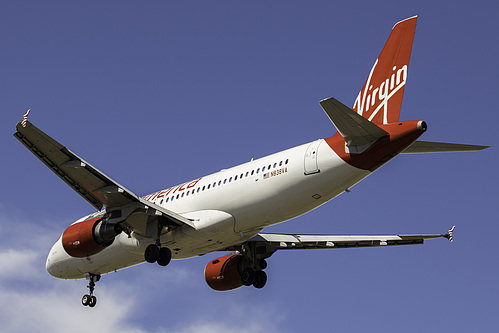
pixel 227 210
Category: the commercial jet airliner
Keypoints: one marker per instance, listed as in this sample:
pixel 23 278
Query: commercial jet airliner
pixel 227 210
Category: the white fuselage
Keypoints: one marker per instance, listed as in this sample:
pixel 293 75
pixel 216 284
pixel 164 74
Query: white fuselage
pixel 227 208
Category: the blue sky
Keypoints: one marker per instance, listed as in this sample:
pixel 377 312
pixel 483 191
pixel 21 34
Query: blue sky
pixel 155 94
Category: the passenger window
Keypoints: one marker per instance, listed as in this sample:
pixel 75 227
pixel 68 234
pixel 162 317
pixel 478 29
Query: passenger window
pixel 287 161
pixel 252 172
pixel 247 173
pixel 275 164
pixel 263 169
pixel 209 186
pixel 258 170
pixel 235 178
pixel 280 163
pixel 230 179
pixel 167 200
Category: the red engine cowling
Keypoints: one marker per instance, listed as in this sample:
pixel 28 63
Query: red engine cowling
pixel 89 237
pixel 222 273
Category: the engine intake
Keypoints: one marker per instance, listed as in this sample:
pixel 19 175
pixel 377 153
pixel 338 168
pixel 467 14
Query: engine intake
pixel 89 237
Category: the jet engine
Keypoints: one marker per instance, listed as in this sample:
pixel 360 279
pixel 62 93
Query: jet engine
pixel 222 273
pixel 89 237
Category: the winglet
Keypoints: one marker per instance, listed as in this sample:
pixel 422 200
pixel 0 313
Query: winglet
pixel 448 235
pixel 24 119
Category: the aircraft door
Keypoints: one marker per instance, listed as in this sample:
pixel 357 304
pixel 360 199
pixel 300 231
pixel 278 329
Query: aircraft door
pixel 310 161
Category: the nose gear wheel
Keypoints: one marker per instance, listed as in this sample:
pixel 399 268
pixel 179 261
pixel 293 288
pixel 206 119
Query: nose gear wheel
pixel 89 299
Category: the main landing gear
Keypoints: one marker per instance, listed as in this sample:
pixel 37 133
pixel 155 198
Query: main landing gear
pixel 156 253
pixel 255 275
pixel 252 265
pixel 89 299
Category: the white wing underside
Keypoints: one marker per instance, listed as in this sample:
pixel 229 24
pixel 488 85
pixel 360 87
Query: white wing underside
pixel 266 244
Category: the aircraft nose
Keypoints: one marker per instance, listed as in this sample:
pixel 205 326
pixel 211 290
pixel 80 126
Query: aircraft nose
pixel 55 256
pixel 48 265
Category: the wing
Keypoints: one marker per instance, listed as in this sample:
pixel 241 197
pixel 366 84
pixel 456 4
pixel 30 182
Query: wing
pixel 265 245
pixel 93 185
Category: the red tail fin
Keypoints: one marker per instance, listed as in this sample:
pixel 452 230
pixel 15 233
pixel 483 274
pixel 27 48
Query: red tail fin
pixel 380 98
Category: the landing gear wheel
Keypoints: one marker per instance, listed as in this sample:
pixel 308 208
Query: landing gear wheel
pixel 93 301
pixel 165 256
pixel 248 276
pixel 260 280
pixel 151 253
pixel 89 299
pixel 85 300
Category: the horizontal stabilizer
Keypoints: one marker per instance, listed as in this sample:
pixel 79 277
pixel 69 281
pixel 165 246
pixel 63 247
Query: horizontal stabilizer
pixel 419 147
pixel 355 129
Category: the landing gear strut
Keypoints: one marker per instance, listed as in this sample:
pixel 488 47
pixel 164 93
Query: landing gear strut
pixel 156 253
pixel 89 299
pixel 251 269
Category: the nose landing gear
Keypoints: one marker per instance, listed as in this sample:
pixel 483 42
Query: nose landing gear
pixel 89 299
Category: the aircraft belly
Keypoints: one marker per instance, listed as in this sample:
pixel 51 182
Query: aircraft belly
pixel 214 231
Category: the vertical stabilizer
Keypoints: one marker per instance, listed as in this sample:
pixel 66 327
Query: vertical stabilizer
pixel 380 98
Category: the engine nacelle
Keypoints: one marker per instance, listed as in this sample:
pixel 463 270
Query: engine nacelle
pixel 89 237
pixel 222 273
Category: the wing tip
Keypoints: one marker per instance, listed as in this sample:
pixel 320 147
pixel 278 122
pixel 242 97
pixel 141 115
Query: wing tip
pixel 448 235
pixel 24 120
